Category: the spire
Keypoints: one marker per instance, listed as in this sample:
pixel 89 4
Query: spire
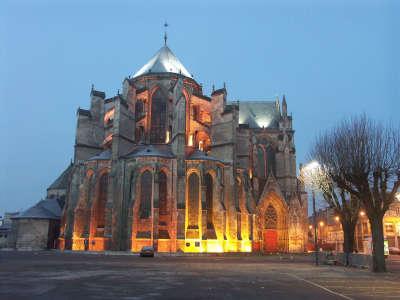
pixel 277 105
pixel 165 33
pixel 284 106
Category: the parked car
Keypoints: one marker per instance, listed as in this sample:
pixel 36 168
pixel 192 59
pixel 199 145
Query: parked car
pixel 147 251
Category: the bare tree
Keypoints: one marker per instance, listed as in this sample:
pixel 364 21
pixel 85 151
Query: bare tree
pixel 362 157
pixel 344 204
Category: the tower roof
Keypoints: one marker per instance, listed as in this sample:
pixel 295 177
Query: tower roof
pixel 164 61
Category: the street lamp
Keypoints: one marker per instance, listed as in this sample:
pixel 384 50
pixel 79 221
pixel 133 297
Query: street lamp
pixel 308 174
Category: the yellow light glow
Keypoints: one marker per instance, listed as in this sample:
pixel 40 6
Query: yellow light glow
pixel 309 226
pixel 337 218
pixel 321 223
pixel 214 246
pixel 263 122
pixel 167 136
pixel 245 246
pixel 362 213
pixel 190 140
pixel 201 146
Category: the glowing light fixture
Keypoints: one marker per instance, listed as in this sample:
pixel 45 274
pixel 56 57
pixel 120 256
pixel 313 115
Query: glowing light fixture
pixel 190 140
pixel 362 213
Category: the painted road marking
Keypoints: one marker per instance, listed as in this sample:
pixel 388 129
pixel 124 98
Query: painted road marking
pixel 319 286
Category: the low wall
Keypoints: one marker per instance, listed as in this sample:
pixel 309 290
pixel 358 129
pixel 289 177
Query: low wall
pixel 355 260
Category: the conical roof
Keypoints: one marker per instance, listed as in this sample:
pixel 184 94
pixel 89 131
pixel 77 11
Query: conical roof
pixel 164 61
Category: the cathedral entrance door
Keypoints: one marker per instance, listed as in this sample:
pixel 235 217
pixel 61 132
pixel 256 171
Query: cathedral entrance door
pixel 270 240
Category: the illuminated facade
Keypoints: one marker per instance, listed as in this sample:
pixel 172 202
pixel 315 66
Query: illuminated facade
pixel 164 165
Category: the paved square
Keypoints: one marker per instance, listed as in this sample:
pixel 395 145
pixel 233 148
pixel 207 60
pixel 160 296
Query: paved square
pixel 55 275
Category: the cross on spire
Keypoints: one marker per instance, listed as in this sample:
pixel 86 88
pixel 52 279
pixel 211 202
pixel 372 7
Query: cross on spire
pixel 165 33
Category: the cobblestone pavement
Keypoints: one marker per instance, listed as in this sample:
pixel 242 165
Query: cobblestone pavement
pixel 55 275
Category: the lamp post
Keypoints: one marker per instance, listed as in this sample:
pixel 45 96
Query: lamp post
pixel 309 175
pixel 315 228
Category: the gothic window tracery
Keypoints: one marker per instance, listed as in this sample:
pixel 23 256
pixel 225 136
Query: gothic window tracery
pixel 158 118
pixel 162 191
pixel 99 206
pixel 209 198
pixel 193 207
pixel 261 162
pixel 271 218
pixel 145 194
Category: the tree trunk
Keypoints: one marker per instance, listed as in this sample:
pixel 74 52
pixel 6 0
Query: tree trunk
pixel 378 255
pixel 348 240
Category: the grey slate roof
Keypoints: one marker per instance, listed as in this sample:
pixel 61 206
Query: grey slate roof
pixel 164 61
pixel 163 151
pixel 62 181
pixel 200 155
pixel 259 114
pixel 49 208
pixel 104 155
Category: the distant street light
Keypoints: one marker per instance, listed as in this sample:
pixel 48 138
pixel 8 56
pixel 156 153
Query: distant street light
pixel 308 175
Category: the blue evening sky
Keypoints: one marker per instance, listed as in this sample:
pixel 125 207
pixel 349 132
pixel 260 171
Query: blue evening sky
pixel 332 59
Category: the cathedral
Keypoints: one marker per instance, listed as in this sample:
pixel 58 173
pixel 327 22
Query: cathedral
pixel 161 164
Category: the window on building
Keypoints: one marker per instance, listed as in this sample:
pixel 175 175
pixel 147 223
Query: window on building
pixel 261 162
pixel 209 199
pixel 196 112
pixel 99 209
pixel 109 117
pixel 139 109
pixel 389 228
pixel 193 208
pixel 270 158
pixel 158 118
pixel 162 191
pixel 139 134
pixel 271 218
pixel 145 194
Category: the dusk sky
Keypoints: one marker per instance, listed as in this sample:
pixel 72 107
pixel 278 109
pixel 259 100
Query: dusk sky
pixel 331 60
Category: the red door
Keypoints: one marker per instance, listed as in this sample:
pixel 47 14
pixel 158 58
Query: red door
pixel 270 240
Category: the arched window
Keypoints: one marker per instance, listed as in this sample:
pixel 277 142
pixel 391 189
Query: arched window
pixel 271 165
pixel 90 187
pixel 158 118
pixel 99 207
pixel 139 134
pixel 271 218
pixel 193 205
pixel 139 110
pixel 162 192
pixel 145 194
pixel 261 162
pixel 209 199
